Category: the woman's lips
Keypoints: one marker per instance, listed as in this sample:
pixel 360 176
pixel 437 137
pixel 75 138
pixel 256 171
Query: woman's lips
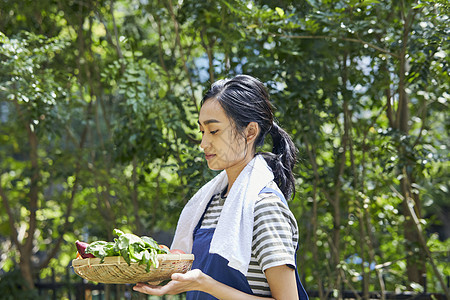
pixel 209 156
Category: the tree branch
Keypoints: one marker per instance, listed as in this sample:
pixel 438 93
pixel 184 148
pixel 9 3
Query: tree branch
pixel 402 117
pixel 183 59
pixel 160 52
pixel 14 233
pixel 390 111
pixel 26 248
pixel 34 188
pixel 116 44
pixel 208 48
pixel 412 214
pixel 116 32
pixel 422 127
pixel 312 37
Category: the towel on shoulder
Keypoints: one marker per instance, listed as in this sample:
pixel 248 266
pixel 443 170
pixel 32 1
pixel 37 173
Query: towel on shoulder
pixel 233 236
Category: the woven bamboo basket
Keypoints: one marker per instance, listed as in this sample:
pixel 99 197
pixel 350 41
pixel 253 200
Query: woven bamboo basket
pixel 116 270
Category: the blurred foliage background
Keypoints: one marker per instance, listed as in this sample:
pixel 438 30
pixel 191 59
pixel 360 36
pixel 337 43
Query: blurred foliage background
pixel 99 103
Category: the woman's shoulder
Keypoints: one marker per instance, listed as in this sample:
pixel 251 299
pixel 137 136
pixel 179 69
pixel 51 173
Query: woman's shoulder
pixel 271 193
pixel 271 200
pixel 272 212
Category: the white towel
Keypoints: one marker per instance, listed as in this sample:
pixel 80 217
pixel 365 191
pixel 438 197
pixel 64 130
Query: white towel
pixel 233 236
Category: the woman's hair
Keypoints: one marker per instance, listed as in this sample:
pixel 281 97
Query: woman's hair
pixel 244 100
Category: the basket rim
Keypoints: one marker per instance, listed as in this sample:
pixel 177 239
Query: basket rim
pixel 117 260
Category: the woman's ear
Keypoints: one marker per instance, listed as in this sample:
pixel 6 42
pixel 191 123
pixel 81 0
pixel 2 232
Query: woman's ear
pixel 252 132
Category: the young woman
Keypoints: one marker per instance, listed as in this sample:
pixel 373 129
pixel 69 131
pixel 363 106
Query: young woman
pixel 238 225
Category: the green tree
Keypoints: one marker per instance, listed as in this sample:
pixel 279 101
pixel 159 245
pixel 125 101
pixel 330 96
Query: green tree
pixel 98 109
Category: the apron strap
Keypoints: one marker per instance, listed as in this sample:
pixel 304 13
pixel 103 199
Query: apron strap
pixel 270 190
pixel 302 295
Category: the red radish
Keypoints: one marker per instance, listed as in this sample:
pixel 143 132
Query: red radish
pixel 81 247
pixel 177 251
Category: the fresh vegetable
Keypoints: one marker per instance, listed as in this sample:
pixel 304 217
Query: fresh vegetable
pixel 81 248
pixel 142 250
pixel 177 251
pixel 164 248
pixel 101 249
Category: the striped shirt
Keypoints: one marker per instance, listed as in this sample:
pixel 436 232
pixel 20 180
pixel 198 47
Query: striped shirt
pixel 275 236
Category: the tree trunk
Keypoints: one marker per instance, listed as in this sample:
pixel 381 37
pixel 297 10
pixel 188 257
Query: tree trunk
pixel 26 268
pixel 134 198
pixel 415 263
pixel 314 219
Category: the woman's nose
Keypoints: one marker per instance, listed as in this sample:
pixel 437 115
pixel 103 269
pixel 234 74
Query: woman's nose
pixel 204 143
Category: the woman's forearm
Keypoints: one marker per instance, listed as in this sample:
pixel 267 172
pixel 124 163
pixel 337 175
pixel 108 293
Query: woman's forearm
pixel 194 280
pixel 222 291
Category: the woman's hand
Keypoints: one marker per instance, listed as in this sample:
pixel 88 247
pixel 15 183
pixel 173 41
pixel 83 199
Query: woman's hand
pixel 281 280
pixel 189 281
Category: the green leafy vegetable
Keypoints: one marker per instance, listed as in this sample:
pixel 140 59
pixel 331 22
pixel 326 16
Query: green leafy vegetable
pixel 101 249
pixel 132 248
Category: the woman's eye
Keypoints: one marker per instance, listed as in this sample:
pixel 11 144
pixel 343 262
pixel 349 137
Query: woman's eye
pixel 211 132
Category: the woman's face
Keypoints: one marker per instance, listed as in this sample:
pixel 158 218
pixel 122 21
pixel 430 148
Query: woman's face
pixel 223 147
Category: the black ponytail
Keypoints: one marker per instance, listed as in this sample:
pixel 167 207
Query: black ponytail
pixel 282 160
pixel 244 100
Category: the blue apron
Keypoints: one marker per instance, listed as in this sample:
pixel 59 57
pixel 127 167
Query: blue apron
pixel 217 267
